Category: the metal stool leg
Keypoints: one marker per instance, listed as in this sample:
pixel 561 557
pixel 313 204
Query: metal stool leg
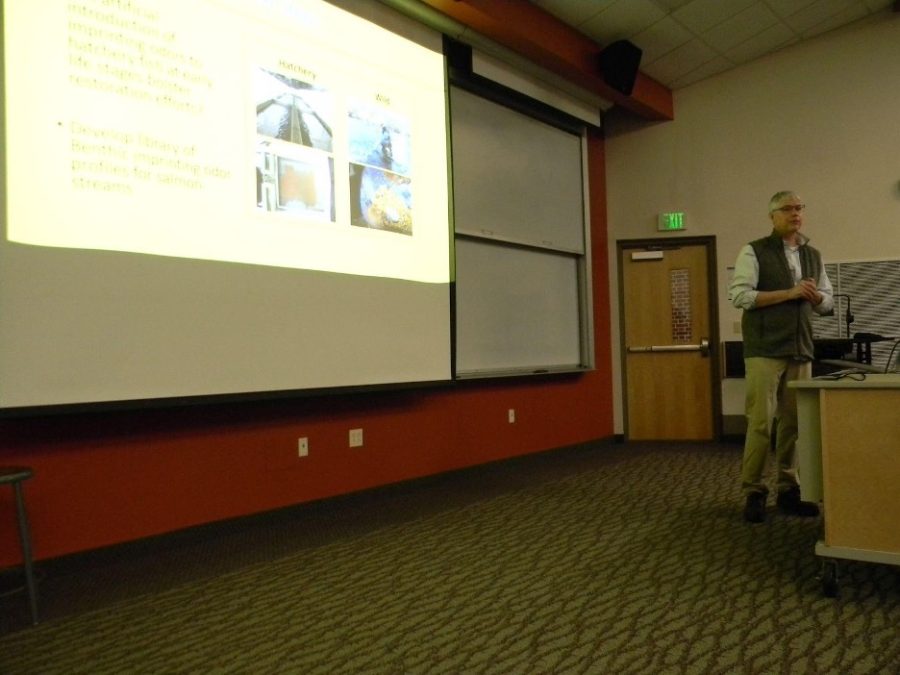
pixel 25 539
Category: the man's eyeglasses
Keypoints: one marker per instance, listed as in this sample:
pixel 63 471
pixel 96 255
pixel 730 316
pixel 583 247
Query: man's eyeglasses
pixel 791 207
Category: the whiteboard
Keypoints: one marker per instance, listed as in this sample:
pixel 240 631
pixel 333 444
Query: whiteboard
pixel 515 178
pixel 522 283
pixel 517 309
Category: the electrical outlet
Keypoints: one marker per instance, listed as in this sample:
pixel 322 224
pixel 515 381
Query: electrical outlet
pixel 511 415
pixel 356 438
pixel 302 447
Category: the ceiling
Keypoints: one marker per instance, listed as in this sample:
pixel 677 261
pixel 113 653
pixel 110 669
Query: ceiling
pixel 684 41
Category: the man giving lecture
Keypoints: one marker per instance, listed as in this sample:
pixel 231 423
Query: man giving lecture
pixel 779 281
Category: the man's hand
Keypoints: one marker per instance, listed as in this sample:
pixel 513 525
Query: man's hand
pixel 805 290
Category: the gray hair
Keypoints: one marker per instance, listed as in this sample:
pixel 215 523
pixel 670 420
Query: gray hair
pixel 778 196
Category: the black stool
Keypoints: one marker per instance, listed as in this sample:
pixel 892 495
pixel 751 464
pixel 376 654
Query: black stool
pixel 14 475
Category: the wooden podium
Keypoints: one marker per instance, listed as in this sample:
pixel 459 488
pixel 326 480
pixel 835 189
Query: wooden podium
pixel 849 459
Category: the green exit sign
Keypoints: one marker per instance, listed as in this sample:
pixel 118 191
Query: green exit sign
pixel 671 221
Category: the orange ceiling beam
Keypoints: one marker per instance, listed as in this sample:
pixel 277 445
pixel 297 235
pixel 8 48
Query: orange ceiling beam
pixel 545 40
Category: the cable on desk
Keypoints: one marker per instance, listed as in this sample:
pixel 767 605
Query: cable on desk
pixel 890 359
pixel 850 374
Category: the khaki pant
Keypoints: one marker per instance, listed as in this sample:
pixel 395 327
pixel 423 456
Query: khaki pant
pixel 769 398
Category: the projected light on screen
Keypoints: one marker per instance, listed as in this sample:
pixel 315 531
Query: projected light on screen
pixel 270 176
pixel 153 120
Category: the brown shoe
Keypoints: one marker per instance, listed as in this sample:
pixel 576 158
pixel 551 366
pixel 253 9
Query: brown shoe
pixel 789 502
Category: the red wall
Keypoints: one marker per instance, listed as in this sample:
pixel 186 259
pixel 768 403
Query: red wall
pixel 106 478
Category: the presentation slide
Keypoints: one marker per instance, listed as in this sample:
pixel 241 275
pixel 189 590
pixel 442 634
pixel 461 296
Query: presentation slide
pixel 175 150
pixel 269 132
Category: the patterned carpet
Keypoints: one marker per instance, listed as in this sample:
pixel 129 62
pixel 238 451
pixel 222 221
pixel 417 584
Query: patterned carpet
pixel 621 558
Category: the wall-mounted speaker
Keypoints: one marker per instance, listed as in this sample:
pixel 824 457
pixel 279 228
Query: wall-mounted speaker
pixel 619 63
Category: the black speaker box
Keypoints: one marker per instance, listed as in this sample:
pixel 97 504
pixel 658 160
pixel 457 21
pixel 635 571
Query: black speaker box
pixel 619 65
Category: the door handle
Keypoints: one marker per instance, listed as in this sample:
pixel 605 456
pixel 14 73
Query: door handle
pixel 703 348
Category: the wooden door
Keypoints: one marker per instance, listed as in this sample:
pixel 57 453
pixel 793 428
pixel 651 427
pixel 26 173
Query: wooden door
pixel 667 329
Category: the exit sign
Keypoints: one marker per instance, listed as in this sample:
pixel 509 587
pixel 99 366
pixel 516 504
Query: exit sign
pixel 670 221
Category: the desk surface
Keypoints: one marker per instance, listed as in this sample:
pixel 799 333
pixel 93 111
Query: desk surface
pixel 871 381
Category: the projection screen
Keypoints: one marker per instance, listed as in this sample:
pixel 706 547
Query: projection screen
pixel 220 197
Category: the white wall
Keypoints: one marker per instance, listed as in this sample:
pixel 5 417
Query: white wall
pixel 821 117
